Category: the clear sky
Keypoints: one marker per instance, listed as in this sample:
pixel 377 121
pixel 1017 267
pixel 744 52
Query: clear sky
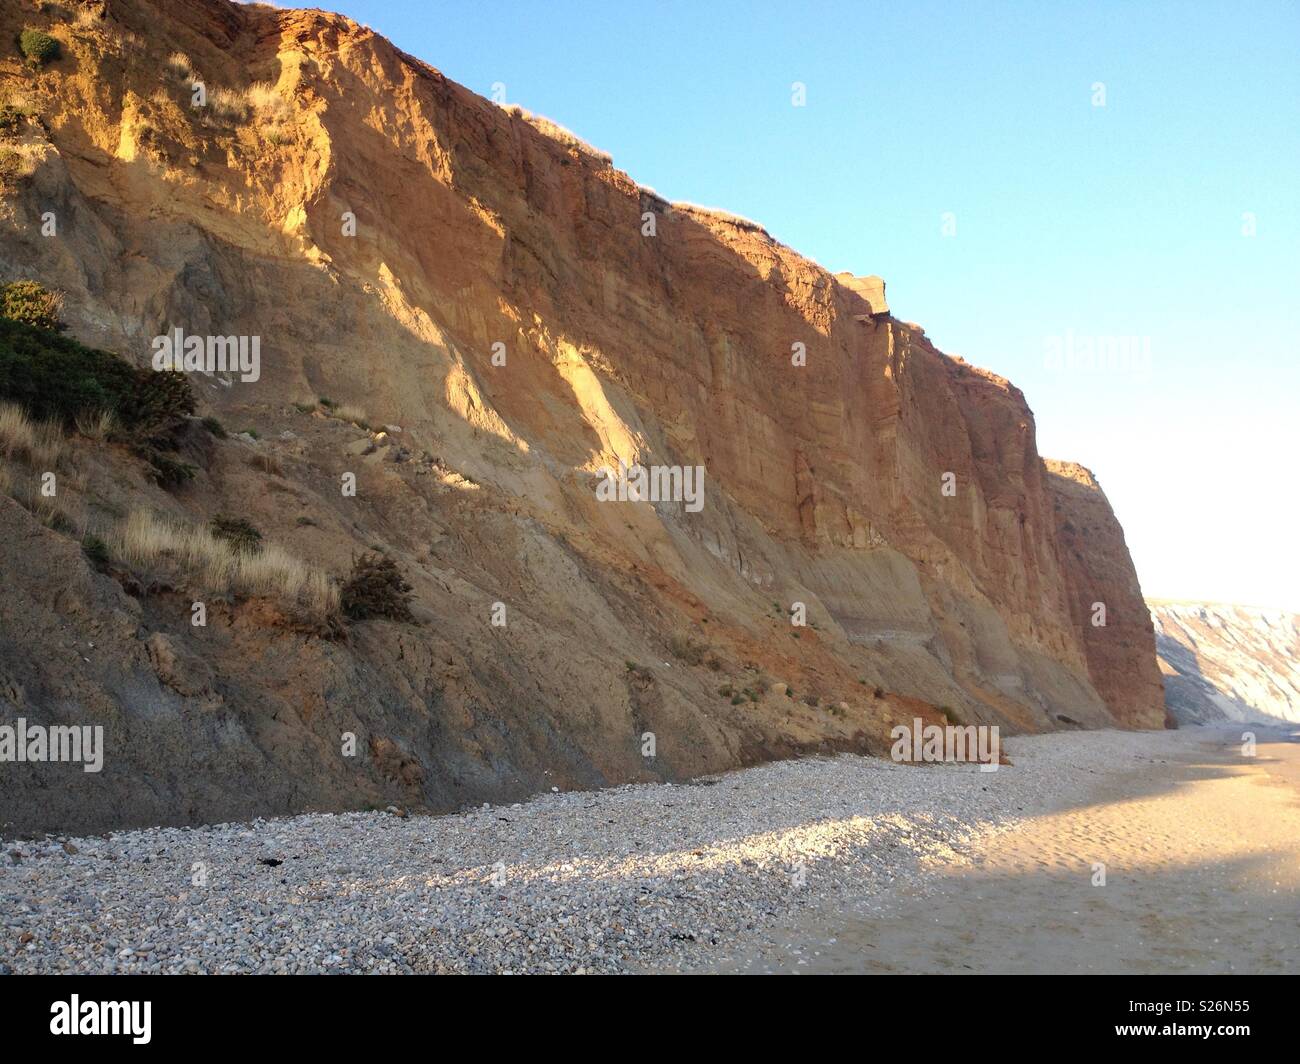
pixel 958 150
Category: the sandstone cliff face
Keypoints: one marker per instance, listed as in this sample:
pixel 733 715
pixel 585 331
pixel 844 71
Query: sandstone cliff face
pixel 896 492
pixel 1223 662
pixel 1105 599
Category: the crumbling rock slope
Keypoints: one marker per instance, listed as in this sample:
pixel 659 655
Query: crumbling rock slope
pixel 895 492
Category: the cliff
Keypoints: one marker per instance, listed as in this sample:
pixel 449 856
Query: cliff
pixel 496 314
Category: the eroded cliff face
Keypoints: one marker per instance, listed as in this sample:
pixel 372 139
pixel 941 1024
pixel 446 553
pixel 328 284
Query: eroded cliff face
pixel 895 491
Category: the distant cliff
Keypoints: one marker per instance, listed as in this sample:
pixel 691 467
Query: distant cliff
pixel 1224 662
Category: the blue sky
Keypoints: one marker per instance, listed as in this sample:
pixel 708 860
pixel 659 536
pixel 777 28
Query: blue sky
pixel 1121 225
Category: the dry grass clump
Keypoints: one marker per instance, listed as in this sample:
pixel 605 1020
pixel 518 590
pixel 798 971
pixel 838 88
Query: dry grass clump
pixel 228 103
pixel 146 542
pixel 275 573
pixel 38 444
pixel 179 65
pixel 354 414
pixel 96 424
pixel 267 102
pixel 64 512
pixel 61 514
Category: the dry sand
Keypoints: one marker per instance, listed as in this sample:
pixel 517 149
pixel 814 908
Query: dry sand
pixel 1201 848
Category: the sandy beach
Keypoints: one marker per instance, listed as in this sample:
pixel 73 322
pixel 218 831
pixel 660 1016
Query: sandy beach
pixel 1201 848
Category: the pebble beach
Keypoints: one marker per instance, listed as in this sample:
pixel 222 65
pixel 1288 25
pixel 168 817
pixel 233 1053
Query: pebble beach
pixel 637 878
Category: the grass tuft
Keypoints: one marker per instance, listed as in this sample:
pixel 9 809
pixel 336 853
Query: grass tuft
pixel 39 444
pixel 179 65
pixel 270 106
pixel 209 563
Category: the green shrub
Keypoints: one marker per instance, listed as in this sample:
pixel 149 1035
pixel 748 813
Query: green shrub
pixel 96 550
pixel 38 47
pixel 215 427
pixel 54 378
pixel 32 304
pixel 164 470
pixel 376 588
pixel 242 536
pixel 156 408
